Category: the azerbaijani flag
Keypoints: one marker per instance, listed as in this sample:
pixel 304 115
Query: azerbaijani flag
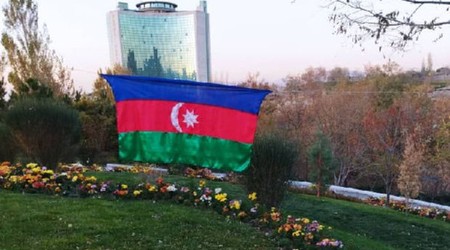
pixel 176 121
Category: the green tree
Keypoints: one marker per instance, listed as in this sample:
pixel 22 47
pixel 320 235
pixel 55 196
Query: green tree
pixel 32 88
pixel 28 52
pixel 321 162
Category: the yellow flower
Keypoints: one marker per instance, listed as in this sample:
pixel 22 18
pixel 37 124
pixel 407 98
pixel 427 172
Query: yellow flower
pixel 49 172
pixel 13 178
pixel 31 165
pixel 36 170
pixel 252 196
pixel 305 220
pixel 75 178
pixel 152 188
pixel 137 192
pixel 235 204
pixel 221 197
pixel 202 183
pixel 124 186
pixel 242 214
pixel 296 233
pixel 91 179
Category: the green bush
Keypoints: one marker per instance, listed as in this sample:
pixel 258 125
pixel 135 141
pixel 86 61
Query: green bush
pixel 8 148
pixel 272 161
pixel 45 130
pixel 99 130
pixel 321 162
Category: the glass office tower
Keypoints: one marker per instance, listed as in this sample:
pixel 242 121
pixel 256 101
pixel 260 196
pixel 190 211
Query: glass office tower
pixel 156 40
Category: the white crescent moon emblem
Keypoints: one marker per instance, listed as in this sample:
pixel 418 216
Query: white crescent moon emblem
pixel 174 116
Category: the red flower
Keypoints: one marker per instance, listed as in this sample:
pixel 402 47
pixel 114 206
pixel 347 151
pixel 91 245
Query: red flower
pixel 38 185
pixel 159 181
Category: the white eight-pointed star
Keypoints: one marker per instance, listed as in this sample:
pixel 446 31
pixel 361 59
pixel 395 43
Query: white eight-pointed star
pixel 190 118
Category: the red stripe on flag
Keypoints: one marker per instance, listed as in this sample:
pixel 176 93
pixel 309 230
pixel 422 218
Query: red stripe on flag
pixel 189 118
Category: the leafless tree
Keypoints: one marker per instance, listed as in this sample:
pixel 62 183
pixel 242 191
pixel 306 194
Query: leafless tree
pixel 395 23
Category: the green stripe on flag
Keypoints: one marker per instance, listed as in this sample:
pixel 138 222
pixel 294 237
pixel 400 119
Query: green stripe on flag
pixel 163 147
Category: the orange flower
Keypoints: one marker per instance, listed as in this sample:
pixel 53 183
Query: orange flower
pixel 287 227
pixel 309 236
pixel 275 216
pixel 225 209
pixel 121 192
pixel 4 170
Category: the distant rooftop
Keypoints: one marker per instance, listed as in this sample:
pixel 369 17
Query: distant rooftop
pixel 156 6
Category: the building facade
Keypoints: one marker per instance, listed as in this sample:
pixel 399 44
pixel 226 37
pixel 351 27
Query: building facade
pixel 157 40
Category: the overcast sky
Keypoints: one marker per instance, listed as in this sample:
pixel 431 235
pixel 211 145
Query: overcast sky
pixel 273 37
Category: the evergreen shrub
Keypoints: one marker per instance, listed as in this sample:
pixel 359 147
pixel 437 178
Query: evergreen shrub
pixel 8 148
pixel 45 130
pixel 273 158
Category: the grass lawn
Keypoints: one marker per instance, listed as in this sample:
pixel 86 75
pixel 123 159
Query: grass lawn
pixel 67 223
pixel 45 222
pixel 361 226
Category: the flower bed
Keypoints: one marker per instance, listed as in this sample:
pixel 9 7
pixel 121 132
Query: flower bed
pixel 355 195
pixel 402 206
pixel 290 232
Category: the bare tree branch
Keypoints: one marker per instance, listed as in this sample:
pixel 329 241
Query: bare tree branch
pixel 361 20
pixel 427 2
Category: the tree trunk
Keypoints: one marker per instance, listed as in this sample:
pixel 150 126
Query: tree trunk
pixel 388 195
pixel 319 177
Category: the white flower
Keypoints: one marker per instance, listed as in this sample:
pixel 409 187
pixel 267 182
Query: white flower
pixel 217 190
pixel 205 198
pixel 171 188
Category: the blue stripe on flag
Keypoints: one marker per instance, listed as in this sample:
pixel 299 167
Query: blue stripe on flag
pixel 141 88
